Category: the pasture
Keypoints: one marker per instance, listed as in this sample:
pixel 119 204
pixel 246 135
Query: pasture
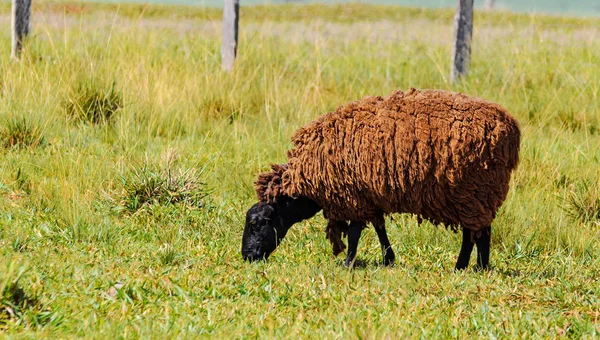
pixel 127 160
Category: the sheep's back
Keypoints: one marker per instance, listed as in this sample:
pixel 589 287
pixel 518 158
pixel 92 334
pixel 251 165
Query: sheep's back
pixel 441 155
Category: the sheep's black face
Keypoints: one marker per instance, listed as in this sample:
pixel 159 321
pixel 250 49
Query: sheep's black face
pixel 267 224
pixel 263 232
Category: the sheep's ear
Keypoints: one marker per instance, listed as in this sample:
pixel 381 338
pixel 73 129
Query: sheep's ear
pixel 267 212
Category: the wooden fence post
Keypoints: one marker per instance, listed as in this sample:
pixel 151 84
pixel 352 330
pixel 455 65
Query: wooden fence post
pixel 21 12
pixel 231 13
pixel 463 33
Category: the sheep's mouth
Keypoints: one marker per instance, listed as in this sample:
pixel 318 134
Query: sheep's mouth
pixel 255 257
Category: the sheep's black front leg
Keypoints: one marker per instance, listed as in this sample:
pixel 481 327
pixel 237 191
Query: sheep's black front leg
pixel 354 231
pixel 386 248
pixel 465 250
pixel 482 239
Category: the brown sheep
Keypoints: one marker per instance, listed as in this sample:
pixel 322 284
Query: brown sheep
pixel 443 156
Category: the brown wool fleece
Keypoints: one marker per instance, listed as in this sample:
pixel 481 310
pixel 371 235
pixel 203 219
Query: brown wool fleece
pixel 443 156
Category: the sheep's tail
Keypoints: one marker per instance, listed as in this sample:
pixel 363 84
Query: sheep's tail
pixel 515 145
pixel 268 185
pixel 506 142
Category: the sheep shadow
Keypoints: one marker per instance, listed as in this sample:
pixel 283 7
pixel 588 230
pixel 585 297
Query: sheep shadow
pixel 364 264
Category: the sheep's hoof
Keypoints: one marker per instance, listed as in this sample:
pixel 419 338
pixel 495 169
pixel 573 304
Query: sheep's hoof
pixel 460 267
pixel 355 263
pixel 482 268
pixel 389 260
pixel 477 268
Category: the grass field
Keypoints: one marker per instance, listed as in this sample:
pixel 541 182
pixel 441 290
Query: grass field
pixel 127 160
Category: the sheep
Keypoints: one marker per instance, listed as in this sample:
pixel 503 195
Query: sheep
pixel 443 156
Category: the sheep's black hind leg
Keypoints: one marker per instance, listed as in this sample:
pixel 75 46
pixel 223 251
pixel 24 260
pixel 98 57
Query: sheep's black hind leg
pixel 354 231
pixel 386 248
pixel 465 250
pixel 482 239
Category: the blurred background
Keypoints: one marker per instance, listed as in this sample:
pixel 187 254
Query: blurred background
pixel 569 7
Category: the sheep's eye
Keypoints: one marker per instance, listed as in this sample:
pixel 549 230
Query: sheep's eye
pixel 253 222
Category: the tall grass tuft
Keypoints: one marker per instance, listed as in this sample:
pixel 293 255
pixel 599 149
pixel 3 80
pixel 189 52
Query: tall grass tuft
pixel 584 204
pixel 20 133
pixel 92 104
pixel 147 185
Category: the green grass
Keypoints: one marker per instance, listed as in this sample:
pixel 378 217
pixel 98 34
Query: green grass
pixel 19 133
pixel 147 186
pixel 76 265
pixel 92 104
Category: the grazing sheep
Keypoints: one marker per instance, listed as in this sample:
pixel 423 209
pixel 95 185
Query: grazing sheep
pixel 443 156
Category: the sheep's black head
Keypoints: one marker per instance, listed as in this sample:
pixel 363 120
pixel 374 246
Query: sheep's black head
pixel 268 223
pixel 263 231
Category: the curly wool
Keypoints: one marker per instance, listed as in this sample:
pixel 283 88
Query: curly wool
pixel 443 156
pixel 334 232
pixel 268 184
